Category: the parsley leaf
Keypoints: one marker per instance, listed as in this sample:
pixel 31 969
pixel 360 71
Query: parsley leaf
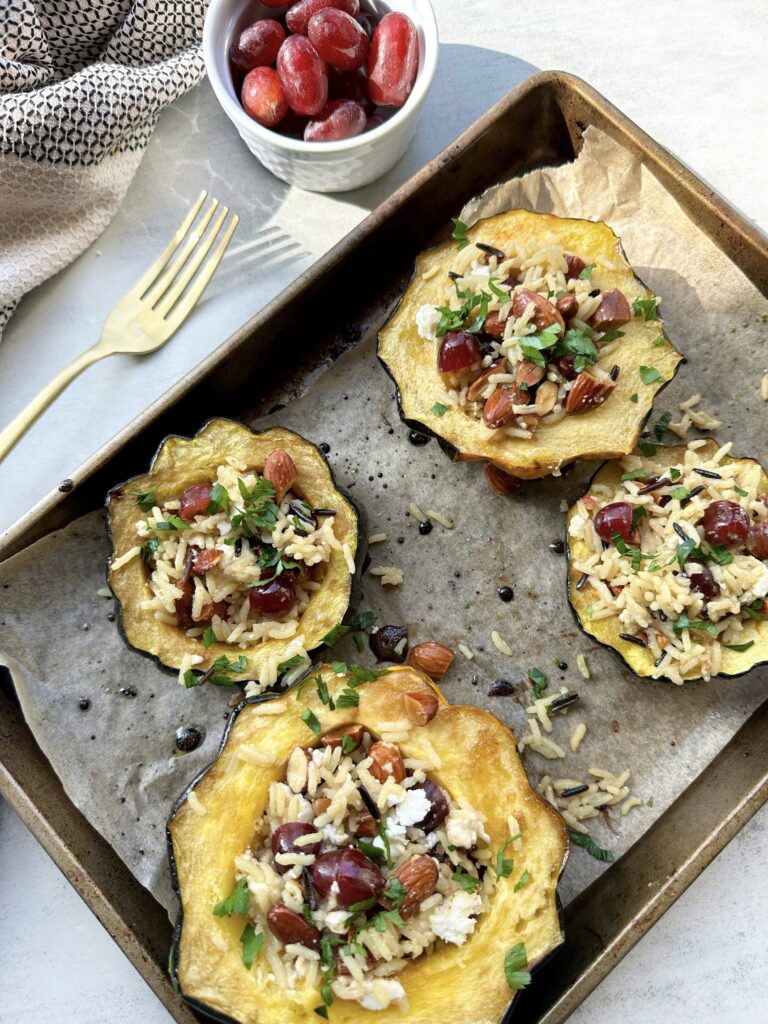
pixel 532 345
pixel 679 493
pixel 310 719
pixel 683 622
pixel 739 647
pixel 586 273
pixel 374 852
pixel 172 523
pixel 258 510
pixel 223 668
pixel 294 662
pixel 587 843
pixel 209 637
pixel 522 881
pixel 505 867
pixel 646 447
pixel 658 342
pixel 684 551
pixel 579 344
pixel 634 474
pixel 395 892
pixel 149 549
pixel 252 942
pixel 439 409
pixel 238 901
pixel 647 308
pixel 468 883
pixel 662 425
pixel 348 743
pixel 348 698
pixel 741 491
pixel 459 233
pixel 649 375
pixel 146 500
pixel 754 611
pixel 718 553
pixel 360 623
pixel 385 839
pixel 219 499
pixel 498 292
pixel 514 962
pixel 539 680
pixel 633 397
pixel 611 336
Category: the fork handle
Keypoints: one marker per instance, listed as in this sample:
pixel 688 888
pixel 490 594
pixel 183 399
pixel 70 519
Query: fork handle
pixel 20 424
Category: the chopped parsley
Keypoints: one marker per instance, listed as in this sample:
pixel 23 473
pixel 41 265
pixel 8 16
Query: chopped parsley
pixel 310 719
pixel 258 510
pixel 458 319
pixel 395 892
pixel 739 647
pixel 294 662
pixel 638 513
pixel 522 881
pixel 754 611
pixel 539 680
pixel 514 962
pixel 172 523
pixel 679 493
pixel 238 901
pixel 219 500
pixel 460 233
pixel 649 375
pixel 658 342
pixel 439 409
pixel 252 942
pixel 662 425
pixel 611 336
pixel 348 743
pixel 674 473
pixel 498 292
pixel 586 273
pixel 209 637
pixel 374 852
pixel 271 558
pixel 348 698
pixel 359 624
pixel 146 500
pixel 633 397
pixel 634 474
pixel 647 308
pixel 387 850
pixel 468 883
pixel 683 622
pixel 218 674
pixel 587 843
pixel 684 551
pixel 646 447
pixel 505 866
pixel 740 490
pixel 532 345
pixel 578 344
pixel 149 549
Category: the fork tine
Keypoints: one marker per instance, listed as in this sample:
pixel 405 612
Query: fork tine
pixel 152 272
pixel 164 282
pixel 190 268
pixel 186 304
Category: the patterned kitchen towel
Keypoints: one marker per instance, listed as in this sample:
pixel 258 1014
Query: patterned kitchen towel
pixel 82 84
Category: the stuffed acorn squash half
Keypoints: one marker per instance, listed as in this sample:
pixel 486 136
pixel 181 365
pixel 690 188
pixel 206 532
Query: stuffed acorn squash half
pixel 363 850
pixel 668 561
pixel 528 342
pixel 234 555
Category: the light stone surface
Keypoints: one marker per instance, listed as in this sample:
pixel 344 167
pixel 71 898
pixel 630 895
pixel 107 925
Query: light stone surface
pixel 693 76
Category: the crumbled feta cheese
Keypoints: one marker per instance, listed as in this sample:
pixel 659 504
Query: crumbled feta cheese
pixel 452 921
pixel 481 270
pixel 372 994
pixel 335 921
pixel 760 589
pixel 334 835
pixel 414 807
pixel 464 826
pixel 427 319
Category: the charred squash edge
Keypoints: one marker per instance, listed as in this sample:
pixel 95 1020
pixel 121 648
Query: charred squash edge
pixel 571 578
pixel 361 553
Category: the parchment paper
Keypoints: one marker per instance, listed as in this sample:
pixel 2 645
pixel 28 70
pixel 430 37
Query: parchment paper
pixel 117 759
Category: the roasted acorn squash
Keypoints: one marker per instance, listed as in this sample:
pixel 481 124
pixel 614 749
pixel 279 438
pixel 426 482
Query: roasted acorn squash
pixel 607 431
pixel 455 984
pixel 182 461
pixel 607 631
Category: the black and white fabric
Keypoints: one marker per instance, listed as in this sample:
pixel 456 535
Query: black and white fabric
pixel 82 84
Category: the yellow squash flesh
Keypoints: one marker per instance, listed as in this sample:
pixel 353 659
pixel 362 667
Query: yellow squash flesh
pixel 607 631
pixel 454 984
pixel 183 461
pixel 609 431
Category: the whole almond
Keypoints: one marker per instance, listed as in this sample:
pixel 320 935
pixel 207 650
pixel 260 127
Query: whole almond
pixel 387 762
pixel 478 386
pixel 544 313
pixel 567 306
pixel 418 876
pixel 431 658
pixel 501 482
pixel 420 707
pixel 613 311
pixel 335 738
pixel 499 407
pixel 575 265
pixel 494 326
pixel 587 393
pixel 288 927
pixel 366 824
pixel 280 470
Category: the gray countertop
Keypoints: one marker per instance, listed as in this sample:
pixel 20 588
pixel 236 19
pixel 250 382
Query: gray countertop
pixel 693 76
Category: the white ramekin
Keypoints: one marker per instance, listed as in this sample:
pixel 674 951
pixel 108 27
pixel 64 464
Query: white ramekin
pixel 319 166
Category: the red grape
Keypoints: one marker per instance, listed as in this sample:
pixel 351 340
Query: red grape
pixel 194 501
pixel 725 522
pixel 257 45
pixel 341 119
pixel 614 518
pixel 458 351
pixel 350 85
pixel 297 19
pixel 368 23
pixel 338 39
pixel 273 599
pixel 757 543
pixel 284 841
pixel 702 581
pixel 324 871
pixel 438 812
pixel 263 97
pixel 358 878
pixel 393 61
pixel 303 76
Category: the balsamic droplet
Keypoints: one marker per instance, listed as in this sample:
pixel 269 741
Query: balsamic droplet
pixel 506 594
pixel 384 641
pixel 324 447
pixel 84 704
pixel 557 547
pixel 425 528
pixel 188 738
pixel 501 688
pixel 418 439
pixel 127 691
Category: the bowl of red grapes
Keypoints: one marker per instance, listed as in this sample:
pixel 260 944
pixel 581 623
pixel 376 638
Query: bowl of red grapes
pixel 326 93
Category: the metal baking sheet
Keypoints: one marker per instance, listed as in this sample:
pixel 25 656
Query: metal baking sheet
pixel 540 123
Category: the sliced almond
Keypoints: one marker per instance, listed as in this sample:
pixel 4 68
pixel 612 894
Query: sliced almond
pixel 432 659
pixel 477 387
pixel 420 707
pixel 387 762
pixel 528 373
pixel 499 407
pixel 587 393
pixel 335 738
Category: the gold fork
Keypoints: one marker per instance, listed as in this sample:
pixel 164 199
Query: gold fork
pixel 150 313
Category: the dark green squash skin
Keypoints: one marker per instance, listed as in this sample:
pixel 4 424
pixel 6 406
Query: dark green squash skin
pixel 593 639
pixel 173 956
pixel 361 552
pixel 447 447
